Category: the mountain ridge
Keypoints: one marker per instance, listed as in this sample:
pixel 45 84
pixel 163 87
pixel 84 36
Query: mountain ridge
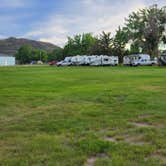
pixel 11 45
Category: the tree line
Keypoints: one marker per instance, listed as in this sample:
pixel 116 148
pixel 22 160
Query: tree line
pixel 143 31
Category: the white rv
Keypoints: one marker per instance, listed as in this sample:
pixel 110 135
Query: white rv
pixel 93 60
pixel 139 60
pixel 104 60
pixel 65 62
pixel 162 60
pixel 96 60
pixel 126 60
pixel 78 60
pixel 109 60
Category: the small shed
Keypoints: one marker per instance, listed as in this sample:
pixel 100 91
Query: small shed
pixel 7 60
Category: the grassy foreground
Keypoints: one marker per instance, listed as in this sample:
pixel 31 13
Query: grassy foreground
pixel 73 116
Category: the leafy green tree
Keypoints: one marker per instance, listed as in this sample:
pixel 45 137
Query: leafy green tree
pixel 56 54
pixel 135 48
pixel 146 27
pixel 103 45
pixel 24 54
pixel 79 45
pixel 119 42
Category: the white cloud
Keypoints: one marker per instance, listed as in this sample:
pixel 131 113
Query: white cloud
pixel 54 30
pixel 85 16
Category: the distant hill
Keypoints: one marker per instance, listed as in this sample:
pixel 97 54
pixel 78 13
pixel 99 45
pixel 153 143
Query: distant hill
pixel 11 45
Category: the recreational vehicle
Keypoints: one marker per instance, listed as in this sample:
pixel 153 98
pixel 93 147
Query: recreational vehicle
pixel 65 62
pixel 109 60
pixel 78 60
pixel 104 60
pixel 93 60
pixel 162 60
pixel 139 60
pixel 126 60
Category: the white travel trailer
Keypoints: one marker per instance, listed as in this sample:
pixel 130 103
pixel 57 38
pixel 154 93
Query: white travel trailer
pixel 104 60
pixel 162 60
pixel 96 60
pixel 139 60
pixel 78 60
pixel 90 59
pixel 126 60
pixel 109 60
pixel 93 60
pixel 65 62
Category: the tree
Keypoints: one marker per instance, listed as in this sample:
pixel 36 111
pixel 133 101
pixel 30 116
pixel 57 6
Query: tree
pixel 146 27
pixel 103 45
pixel 56 54
pixel 24 54
pixel 79 45
pixel 119 42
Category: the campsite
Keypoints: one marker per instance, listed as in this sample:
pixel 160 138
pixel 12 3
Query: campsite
pixel 82 116
pixel 83 83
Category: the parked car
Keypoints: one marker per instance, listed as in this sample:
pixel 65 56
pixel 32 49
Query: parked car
pixel 52 63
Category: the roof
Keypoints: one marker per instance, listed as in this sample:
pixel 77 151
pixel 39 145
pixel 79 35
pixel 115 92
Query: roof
pixel 5 55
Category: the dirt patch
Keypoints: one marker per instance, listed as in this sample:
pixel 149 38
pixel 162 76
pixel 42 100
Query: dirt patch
pixel 92 160
pixel 135 140
pixel 150 88
pixel 159 156
pixel 110 139
pixel 141 124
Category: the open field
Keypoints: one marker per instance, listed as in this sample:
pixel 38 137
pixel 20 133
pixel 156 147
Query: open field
pixel 73 116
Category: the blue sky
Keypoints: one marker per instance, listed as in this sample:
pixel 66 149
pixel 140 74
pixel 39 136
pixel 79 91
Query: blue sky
pixel 54 20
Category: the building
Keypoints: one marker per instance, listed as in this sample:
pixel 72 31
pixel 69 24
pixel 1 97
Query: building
pixel 7 60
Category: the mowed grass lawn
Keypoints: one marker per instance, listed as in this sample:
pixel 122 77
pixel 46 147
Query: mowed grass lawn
pixel 73 116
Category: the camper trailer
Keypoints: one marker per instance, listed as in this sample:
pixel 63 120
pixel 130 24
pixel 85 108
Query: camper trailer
pixel 162 60
pixel 139 60
pixel 104 60
pixel 109 60
pixel 93 60
pixel 65 62
pixel 78 60
pixel 126 60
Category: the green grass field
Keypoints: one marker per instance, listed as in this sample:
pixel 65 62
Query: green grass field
pixel 73 116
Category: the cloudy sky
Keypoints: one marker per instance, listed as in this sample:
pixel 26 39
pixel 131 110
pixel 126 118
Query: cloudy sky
pixel 54 20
